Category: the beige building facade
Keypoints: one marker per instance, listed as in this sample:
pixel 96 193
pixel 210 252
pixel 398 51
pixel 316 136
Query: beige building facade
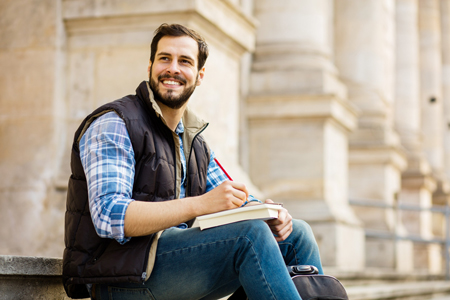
pixel 327 106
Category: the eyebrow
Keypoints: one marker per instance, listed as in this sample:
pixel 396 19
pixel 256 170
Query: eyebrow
pixel 182 56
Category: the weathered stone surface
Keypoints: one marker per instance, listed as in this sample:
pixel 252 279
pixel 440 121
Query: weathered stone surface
pixel 30 128
pixel 30 266
pixel 24 277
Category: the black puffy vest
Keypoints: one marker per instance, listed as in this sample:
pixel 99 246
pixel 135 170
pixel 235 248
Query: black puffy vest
pixel 88 258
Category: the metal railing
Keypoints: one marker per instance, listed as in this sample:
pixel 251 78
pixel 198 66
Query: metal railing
pixel 396 236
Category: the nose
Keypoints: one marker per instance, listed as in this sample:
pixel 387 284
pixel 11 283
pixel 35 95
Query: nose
pixel 173 68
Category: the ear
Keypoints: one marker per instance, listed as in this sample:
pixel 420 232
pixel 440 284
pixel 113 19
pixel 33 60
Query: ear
pixel 201 74
pixel 148 69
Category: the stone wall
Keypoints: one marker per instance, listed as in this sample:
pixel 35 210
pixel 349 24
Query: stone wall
pixel 32 122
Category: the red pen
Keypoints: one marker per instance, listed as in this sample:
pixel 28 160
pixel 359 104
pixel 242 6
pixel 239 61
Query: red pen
pixel 220 166
pixel 229 177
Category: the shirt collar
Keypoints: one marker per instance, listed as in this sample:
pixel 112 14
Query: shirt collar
pixel 180 128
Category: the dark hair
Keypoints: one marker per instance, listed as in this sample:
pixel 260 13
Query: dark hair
pixel 176 30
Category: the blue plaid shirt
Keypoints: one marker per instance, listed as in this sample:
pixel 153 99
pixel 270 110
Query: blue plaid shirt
pixel 107 157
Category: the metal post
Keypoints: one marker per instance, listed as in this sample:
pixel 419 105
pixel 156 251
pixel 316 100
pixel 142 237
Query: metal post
pixel 395 235
pixel 447 241
pixel 397 222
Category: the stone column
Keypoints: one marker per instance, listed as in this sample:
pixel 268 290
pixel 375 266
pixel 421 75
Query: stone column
pixel 299 121
pixel 442 197
pixel 431 83
pixel 407 109
pixel 31 127
pixel 365 57
pixel 417 182
pixel 445 46
pixel 432 98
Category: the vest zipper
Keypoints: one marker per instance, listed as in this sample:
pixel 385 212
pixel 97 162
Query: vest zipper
pixel 188 188
pixel 175 169
pixel 147 254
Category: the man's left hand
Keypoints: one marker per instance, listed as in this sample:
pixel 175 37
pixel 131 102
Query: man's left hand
pixel 281 227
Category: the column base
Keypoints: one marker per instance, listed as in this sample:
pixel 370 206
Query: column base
pixel 341 245
pixel 338 232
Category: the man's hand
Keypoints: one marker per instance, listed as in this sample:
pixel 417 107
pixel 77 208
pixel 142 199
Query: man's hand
pixel 281 227
pixel 228 195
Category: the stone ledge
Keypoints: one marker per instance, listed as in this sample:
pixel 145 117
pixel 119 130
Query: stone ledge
pixel 30 266
pixel 23 277
pixel 382 275
pixel 409 290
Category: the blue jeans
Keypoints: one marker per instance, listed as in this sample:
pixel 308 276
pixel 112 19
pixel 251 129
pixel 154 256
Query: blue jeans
pixel 211 264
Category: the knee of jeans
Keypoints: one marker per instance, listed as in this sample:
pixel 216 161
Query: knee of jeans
pixel 257 231
pixel 303 229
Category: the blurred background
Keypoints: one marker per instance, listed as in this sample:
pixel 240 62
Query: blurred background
pixel 339 109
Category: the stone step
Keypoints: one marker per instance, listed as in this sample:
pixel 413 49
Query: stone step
pixel 404 290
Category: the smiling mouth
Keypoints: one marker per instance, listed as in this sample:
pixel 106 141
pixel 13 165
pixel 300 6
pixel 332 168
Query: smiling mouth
pixel 171 82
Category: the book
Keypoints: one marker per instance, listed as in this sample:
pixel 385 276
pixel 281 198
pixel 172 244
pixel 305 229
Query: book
pixel 263 211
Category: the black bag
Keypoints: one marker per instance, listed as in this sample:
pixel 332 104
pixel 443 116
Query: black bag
pixel 310 285
pixel 319 287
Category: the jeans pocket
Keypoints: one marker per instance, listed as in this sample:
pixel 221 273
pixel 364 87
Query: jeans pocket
pixel 118 293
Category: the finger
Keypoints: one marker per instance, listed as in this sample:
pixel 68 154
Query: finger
pixel 240 195
pixel 273 223
pixel 282 217
pixel 283 234
pixel 269 201
pixel 285 230
pixel 237 202
pixel 231 189
pixel 241 187
pixel 282 238
pixel 281 224
pixel 279 236
pixel 280 230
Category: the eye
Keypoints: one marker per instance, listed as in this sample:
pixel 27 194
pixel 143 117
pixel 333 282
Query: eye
pixel 186 62
pixel 164 58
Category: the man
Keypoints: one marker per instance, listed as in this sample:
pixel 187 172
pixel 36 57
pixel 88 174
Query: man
pixel 141 174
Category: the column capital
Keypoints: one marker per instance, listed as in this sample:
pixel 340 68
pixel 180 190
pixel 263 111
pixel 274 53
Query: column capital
pixel 378 155
pixel 214 19
pixel 303 106
pixel 418 180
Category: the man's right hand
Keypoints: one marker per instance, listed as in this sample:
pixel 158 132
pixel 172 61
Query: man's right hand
pixel 228 195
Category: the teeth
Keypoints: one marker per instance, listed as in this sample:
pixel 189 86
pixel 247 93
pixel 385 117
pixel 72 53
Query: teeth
pixel 171 82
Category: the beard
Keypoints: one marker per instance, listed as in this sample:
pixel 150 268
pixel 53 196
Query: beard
pixel 170 100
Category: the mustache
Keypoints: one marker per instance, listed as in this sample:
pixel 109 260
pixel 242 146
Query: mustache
pixel 176 77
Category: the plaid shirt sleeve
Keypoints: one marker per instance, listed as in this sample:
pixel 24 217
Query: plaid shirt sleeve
pixel 215 175
pixel 107 157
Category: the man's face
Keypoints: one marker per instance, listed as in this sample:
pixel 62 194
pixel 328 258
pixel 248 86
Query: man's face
pixel 174 72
